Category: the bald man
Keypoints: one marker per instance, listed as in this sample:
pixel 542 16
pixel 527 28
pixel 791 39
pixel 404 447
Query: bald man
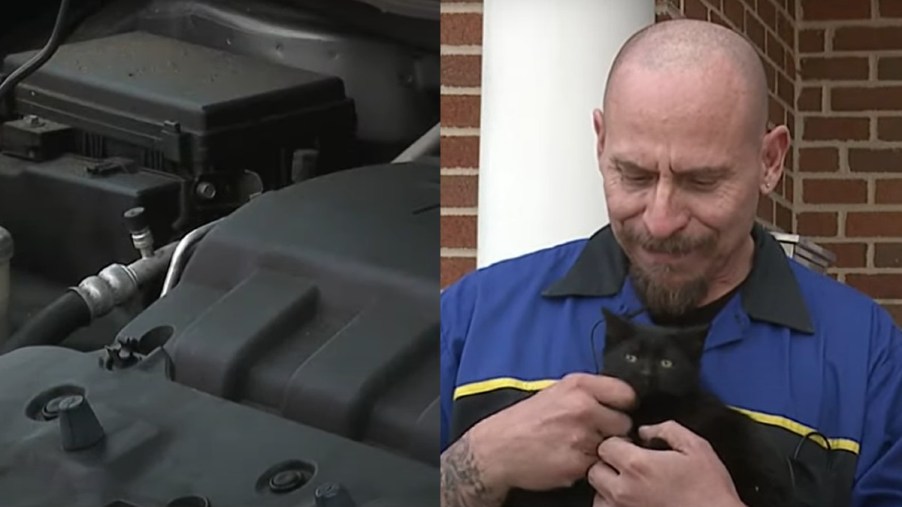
pixel 684 154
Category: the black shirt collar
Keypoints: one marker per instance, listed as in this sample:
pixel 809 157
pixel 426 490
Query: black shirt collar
pixel 771 292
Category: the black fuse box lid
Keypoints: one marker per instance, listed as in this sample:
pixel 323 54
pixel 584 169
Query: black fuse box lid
pixel 144 76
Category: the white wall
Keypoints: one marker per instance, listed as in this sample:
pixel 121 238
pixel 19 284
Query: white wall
pixel 544 67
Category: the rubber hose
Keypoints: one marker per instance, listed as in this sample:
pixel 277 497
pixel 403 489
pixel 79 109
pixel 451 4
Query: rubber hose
pixel 51 325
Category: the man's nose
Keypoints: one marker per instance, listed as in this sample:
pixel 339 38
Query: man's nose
pixel 663 217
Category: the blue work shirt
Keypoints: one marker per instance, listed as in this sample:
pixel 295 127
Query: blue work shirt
pixel 815 362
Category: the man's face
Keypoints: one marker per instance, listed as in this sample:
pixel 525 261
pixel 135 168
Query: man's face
pixel 682 167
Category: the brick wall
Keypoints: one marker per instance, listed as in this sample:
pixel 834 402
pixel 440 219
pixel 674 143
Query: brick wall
pixel 461 40
pixel 850 145
pixel 834 69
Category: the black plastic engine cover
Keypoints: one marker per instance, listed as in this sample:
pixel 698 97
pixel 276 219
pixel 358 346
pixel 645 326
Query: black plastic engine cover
pixel 319 302
pixel 162 441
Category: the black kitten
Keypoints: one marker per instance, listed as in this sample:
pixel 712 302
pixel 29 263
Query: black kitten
pixel 663 366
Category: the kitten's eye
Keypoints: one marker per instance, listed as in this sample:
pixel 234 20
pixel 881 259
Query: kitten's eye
pixel 666 363
pixel 631 358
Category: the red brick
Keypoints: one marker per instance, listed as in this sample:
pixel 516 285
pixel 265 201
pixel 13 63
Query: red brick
pixel 890 9
pixel 811 40
pixel 783 218
pixel 861 98
pixel 453 268
pixel 879 286
pixel 786 30
pixel 846 191
pixel 754 29
pixel 818 159
pixel 770 73
pixel 766 208
pixel 461 29
pixel 847 67
pixel 775 111
pixel 716 17
pixel 819 10
pixel 775 50
pixel 838 129
pixel 874 223
pixel 767 12
pixel 460 151
pixel 889 68
pixel 695 9
pixel 862 38
pixel 810 99
pixel 459 191
pixel 458 231
pixel 848 255
pixel 461 70
pixel 817 223
pixel 734 11
pixel 875 160
pixel 786 89
pixel 888 255
pixel 791 125
pixel 790 65
pixel 789 187
pixel 889 129
pixel 460 110
pixel 889 191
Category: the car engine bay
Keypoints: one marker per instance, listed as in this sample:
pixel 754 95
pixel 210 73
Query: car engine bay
pixel 219 269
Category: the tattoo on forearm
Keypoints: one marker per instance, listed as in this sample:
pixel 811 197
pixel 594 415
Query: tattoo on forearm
pixel 462 484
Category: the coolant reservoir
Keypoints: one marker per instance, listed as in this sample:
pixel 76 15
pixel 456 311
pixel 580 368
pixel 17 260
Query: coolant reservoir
pixel 6 254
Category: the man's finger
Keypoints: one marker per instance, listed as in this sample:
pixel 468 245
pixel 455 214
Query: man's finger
pixel 620 454
pixel 602 477
pixel 677 436
pixel 608 391
pixel 601 502
pixel 610 422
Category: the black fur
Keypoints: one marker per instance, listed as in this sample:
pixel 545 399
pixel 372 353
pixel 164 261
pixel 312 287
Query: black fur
pixel 663 366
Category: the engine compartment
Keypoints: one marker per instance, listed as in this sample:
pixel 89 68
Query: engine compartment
pixel 225 219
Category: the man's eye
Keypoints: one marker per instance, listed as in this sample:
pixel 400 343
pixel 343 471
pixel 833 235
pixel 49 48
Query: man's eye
pixel 704 182
pixel 637 178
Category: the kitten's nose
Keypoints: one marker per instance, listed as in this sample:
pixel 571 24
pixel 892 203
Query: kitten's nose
pixel 645 372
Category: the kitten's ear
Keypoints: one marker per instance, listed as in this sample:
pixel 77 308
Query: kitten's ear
pixel 617 328
pixel 694 341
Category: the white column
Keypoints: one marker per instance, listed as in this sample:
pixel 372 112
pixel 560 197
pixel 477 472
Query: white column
pixel 545 63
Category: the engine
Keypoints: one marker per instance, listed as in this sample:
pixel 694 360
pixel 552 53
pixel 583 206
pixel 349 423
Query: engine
pixel 223 225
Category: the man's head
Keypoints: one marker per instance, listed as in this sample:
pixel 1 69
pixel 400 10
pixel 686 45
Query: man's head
pixel 683 148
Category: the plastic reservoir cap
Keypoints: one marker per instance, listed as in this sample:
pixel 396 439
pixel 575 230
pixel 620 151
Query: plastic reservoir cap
pixel 6 245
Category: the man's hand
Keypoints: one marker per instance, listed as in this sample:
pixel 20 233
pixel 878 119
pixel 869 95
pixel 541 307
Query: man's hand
pixel 688 476
pixel 547 441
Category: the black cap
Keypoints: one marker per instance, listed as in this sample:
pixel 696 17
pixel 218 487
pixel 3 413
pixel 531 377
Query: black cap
pixel 136 219
pixel 333 494
pixel 79 427
pixel 6 245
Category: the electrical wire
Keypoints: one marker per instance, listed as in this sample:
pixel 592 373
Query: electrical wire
pixel 56 38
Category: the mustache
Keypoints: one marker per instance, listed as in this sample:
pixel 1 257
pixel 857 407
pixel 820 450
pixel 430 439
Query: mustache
pixel 673 245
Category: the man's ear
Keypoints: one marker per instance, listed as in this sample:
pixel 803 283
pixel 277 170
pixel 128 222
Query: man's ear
pixel 598 124
pixel 773 153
